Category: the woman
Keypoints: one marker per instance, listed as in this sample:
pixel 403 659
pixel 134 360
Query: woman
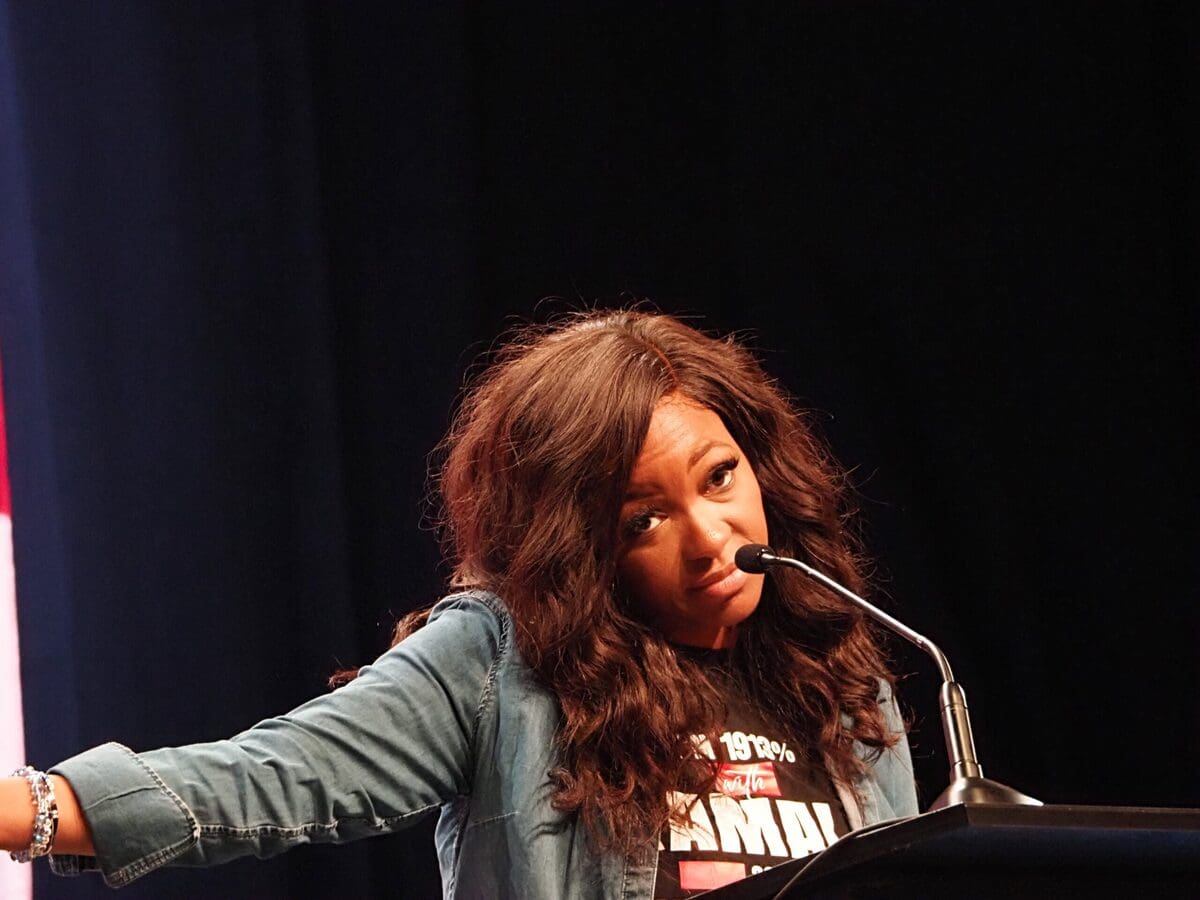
pixel 606 706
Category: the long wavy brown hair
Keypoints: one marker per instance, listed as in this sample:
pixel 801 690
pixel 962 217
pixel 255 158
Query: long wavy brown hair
pixel 535 467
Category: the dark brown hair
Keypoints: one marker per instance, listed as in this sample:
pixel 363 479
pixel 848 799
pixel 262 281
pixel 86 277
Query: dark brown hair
pixel 535 468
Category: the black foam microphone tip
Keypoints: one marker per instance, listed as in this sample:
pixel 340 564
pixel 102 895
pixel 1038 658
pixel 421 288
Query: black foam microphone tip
pixel 749 558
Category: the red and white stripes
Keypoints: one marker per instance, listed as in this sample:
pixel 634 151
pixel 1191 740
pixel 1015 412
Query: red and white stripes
pixel 15 879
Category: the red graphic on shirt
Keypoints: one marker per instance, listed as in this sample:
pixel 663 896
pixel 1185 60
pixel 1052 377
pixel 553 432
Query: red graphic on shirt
pixel 701 875
pixel 747 780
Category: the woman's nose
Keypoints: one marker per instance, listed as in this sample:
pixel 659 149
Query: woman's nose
pixel 707 537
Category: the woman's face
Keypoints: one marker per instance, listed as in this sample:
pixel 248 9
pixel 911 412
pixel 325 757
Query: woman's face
pixel 692 501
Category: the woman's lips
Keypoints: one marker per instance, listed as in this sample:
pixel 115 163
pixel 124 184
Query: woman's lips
pixel 722 586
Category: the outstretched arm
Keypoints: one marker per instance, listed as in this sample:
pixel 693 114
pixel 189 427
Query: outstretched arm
pixel 369 758
pixel 16 818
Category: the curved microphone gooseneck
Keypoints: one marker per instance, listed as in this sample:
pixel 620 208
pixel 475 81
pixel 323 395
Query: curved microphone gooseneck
pixel 967 784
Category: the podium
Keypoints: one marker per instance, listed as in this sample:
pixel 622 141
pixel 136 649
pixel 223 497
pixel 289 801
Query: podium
pixel 994 851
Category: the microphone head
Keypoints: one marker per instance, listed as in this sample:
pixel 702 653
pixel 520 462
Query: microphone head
pixel 749 558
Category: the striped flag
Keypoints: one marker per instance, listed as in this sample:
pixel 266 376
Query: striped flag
pixel 14 879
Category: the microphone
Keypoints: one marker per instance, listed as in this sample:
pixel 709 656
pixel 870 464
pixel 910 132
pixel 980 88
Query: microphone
pixel 749 558
pixel 967 784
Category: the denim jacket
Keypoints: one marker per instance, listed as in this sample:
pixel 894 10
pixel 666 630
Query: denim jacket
pixel 450 719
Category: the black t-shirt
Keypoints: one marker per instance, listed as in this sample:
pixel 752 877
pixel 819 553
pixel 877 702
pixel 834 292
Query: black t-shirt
pixel 769 804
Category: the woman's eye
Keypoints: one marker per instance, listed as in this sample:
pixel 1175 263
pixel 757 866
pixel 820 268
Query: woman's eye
pixel 642 523
pixel 722 475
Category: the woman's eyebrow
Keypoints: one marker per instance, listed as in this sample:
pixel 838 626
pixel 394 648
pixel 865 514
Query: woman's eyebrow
pixel 699 453
pixel 639 493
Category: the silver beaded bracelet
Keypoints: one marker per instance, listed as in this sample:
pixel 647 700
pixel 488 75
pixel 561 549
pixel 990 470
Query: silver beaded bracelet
pixel 45 816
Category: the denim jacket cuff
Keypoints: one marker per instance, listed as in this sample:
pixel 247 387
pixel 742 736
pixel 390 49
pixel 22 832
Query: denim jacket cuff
pixel 138 822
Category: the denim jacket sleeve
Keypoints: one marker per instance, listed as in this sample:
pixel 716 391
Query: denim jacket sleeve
pixel 887 790
pixel 895 767
pixel 366 759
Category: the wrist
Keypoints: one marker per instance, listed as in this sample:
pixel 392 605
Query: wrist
pixel 16 814
pixel 44 825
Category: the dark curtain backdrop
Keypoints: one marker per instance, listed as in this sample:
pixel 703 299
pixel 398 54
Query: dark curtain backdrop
pixel 249 250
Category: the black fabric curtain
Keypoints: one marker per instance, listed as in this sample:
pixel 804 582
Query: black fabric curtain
pixel 248 252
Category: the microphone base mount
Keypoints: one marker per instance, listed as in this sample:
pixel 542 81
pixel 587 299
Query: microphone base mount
pixel 971 791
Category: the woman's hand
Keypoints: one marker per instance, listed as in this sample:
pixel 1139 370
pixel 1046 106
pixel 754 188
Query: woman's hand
pixel 16 818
